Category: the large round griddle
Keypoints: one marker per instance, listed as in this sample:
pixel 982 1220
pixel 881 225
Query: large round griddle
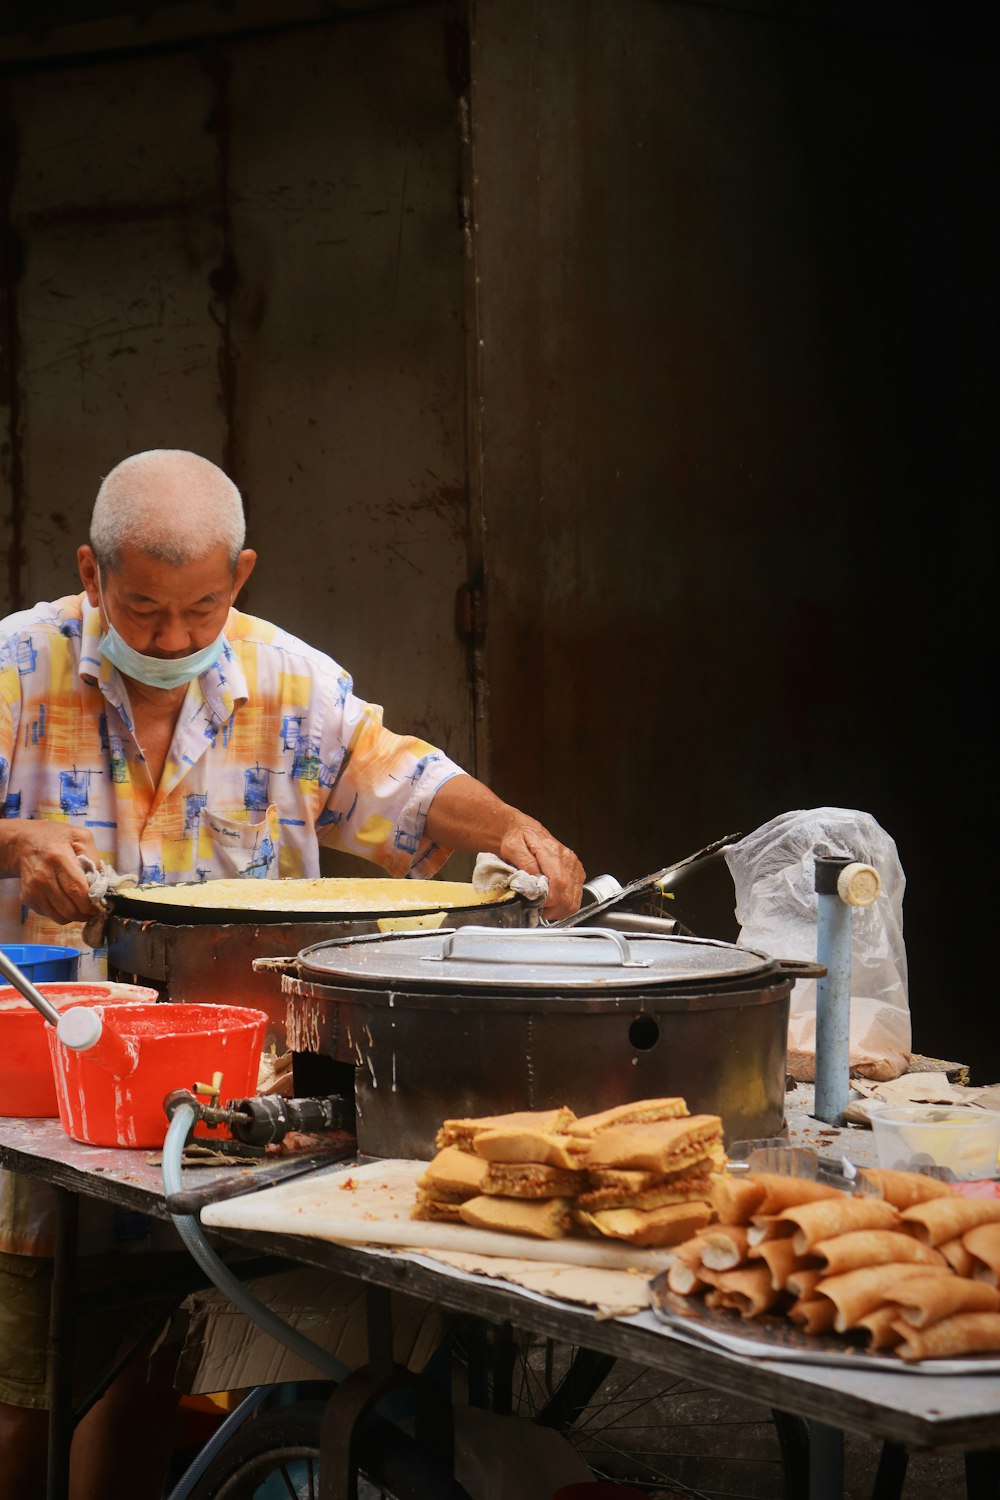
pixel 363 900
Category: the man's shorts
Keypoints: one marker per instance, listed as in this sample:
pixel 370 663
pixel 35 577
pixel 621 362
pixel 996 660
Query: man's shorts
pixel 119 1298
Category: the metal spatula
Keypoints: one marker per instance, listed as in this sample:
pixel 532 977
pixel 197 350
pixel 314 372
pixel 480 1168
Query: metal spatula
pixel 587 912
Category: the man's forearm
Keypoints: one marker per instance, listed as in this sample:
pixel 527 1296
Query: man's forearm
pixel 465 814
pixel 9 833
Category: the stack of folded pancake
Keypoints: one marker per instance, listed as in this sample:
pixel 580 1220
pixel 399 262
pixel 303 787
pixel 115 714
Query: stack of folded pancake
pixel 639 1172
pixel 648 1178
pixel 509 1172
pixel 915 1270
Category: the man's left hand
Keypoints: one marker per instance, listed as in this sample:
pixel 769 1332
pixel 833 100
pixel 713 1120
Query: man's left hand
pixel 531 847
pixel 465 814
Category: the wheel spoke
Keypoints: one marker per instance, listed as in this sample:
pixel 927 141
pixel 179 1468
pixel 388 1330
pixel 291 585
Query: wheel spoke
pixel 292 1489
pixel 656 1476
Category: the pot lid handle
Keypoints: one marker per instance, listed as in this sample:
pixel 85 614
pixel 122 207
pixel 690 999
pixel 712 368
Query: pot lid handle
pixel 494 947
pixel 801 968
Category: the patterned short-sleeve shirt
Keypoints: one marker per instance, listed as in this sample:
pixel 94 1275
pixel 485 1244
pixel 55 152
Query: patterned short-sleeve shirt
pixel 273 755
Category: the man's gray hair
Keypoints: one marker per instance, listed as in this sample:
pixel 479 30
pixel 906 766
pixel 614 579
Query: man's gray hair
pixel 170 505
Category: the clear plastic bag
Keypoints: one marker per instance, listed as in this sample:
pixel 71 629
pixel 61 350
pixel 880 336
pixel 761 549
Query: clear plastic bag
pixel 773 871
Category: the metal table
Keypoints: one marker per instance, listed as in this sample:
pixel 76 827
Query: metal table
pixel 906 1411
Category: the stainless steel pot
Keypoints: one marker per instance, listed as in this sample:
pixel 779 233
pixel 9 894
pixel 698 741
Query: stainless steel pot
pixel 479 1022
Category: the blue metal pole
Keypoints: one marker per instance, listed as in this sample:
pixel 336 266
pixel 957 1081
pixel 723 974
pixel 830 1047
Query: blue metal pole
pixel 840 885
pixel 833 1007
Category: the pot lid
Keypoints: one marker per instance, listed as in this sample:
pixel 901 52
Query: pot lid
pixel 538 958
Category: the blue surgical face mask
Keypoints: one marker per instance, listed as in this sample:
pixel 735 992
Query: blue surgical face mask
pixel 156 671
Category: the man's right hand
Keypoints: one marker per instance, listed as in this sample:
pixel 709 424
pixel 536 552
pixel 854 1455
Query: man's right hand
pixel 46 856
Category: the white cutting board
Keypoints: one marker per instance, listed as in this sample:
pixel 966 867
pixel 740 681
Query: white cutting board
pixel 370 1205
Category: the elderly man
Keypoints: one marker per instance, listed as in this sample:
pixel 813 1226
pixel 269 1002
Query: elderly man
pixel 130 718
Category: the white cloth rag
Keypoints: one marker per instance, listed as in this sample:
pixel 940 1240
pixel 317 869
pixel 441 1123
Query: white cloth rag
pixel 494 874
pixel 101 878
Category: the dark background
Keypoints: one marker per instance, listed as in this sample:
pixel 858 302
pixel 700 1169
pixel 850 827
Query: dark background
pixel 765 358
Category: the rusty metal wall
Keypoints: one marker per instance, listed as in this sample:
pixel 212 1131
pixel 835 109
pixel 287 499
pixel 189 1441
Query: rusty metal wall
pixel 117 227
pixel 738 318
pixel 253 248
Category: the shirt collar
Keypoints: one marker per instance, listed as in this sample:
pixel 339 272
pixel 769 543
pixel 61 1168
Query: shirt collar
pixel 224 685
pixel 95 668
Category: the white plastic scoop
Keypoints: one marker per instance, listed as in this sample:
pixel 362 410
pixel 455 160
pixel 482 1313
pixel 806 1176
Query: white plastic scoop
pixel 81 1029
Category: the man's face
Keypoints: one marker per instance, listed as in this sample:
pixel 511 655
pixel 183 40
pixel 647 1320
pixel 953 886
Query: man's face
pixel 161 610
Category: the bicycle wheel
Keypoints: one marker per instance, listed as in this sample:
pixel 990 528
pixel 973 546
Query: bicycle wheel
pixel 632 1424
pixel 514 1371
pixel 275 1456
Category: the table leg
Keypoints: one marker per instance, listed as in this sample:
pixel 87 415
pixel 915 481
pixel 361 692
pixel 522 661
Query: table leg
pixel 793 1439
pixel 826 1462
pixel 504 1357
pixel 982 1474
pixel 378 1314
pixel 477 1352
pixel 62 1329
pixel 891 1473
pixel 357 1396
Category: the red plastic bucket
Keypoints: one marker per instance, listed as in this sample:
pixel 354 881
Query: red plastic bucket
pixel 176 1046
pixel 26 1084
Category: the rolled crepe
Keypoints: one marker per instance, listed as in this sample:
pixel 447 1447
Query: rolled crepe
pixel 928 1299
pixel 856 1293
pixel 816 1314
pixel 965 1333
pixel 735 1198
pixel 781 1259
pixel 781 1191
pixel 904 1189
pixel 812 1222
pixel 962 1261
pixel 947 1218
pixel 982 1245
pixel 803 1283
pixel 722 1246
pixel 689 1250
pixel 748 1289
pixel 768 1226
pixel 872 1247
pixel 880 1327
pixel 687 1280
pixel 726 1300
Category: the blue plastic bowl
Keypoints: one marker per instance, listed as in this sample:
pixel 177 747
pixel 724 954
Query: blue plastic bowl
pixel 43 961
